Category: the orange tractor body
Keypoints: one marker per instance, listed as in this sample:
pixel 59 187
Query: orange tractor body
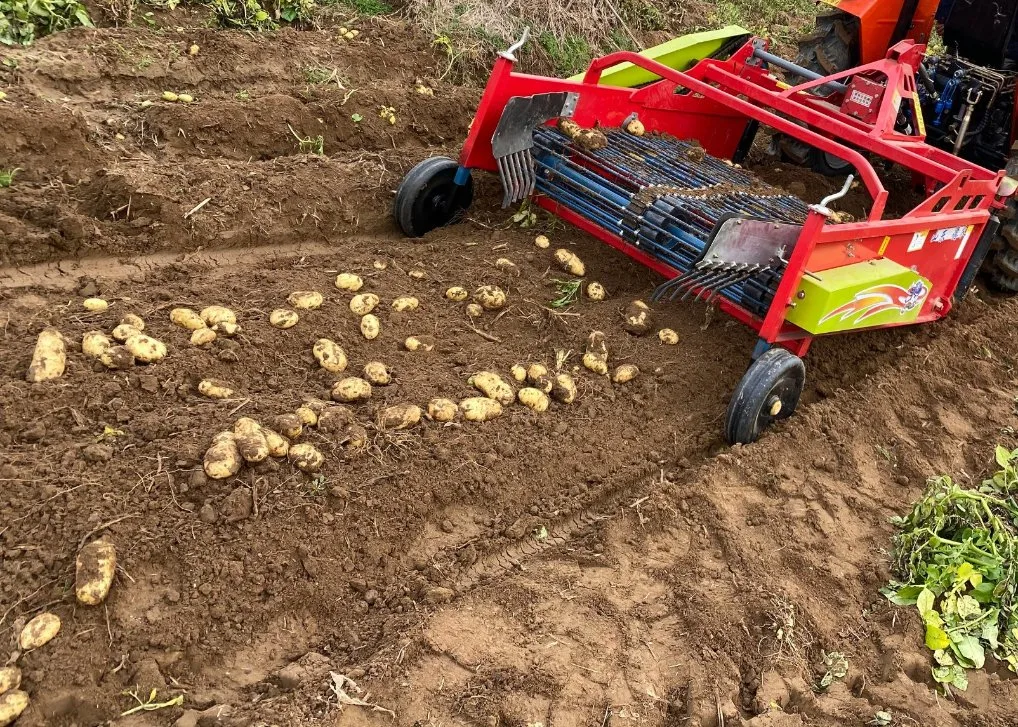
pixel 883 23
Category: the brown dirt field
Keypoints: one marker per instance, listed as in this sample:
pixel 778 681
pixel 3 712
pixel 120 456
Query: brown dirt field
pixel 609 562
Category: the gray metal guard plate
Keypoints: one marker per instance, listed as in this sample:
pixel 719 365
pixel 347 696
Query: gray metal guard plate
pixel 751 242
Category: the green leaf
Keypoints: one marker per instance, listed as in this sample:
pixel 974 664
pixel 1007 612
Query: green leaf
pixel 1003 456
pixel 943 657
pixel 968 608
pixel 936 637
pixel 904 596
pixel 990 633
pixel 924 602
pixel 972 650
pixel 983 593
pixel 964 572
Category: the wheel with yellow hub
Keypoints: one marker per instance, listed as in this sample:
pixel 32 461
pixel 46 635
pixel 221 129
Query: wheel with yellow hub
pixel 768 391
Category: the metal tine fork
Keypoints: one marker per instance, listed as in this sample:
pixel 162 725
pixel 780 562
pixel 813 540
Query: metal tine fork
pixel 661 290
pixel 734 271
pixel 707 282
pixel 705 272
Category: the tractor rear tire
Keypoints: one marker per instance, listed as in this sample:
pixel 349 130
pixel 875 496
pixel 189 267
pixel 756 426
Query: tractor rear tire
pixel 1002 267
pixel 834 45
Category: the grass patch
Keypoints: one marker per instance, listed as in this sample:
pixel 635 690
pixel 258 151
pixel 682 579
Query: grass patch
pixel 367 8
pixel 22 21
pixel 568 55
pixel 7 177
pixel 783 21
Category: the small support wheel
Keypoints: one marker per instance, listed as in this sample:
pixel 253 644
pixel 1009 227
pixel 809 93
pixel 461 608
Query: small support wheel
pixel 768 391
pixel 429 197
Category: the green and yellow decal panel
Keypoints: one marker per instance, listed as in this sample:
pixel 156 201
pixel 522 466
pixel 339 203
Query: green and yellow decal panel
pixel 859 296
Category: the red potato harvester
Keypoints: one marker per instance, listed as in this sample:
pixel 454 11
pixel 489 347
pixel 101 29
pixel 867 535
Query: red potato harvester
pixel 652 171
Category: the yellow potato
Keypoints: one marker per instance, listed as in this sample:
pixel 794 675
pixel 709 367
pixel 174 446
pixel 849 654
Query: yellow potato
pixel 596 356
pixel 306 457
pixel 49 358
pixel 635 127
pixel 130 319
pixel 94 569
pixel 12 705
pixel 405 303
pixel 442 410
pixel 480 409
pixel 668 337
pixel 596 291
pixel 638 318
pixel 370 327
pixel 305 299
pixel 519 373
pixel 214 389
pixel 222 459
pixel 125 331
pixel 335 418
pixel 351 389
pixel 169 96
pixel 417 274
pixel 376 374
pixel 457 294
pixel 95 305
pixel 492 386
pixel 401 416
pixel 10 678
pixel 39 631
pixel 289 425
pixel 214 314
pixel 539 378
pixel 95 344
pixel 278 444
pixel 355 437
pixel 542 242
pixel 283 318
pixel 490 297
pixel 202 337
pixel 117 358
pixel 317 405
pixel 380 265
pixel 225 328
pixel 349 282
pixel 507 266
pixel 185 98
pixel 363 303
pixel 474 310
pixel 533 399
pixel 415 344
pixel 564 388
pixel 330 355
pixel 145 348
pixel 250 441
pixel 186 318
pixel 307 416
pixel 569 262
pixel 625 373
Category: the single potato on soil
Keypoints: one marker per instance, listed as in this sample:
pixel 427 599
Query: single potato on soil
pixel 490 297
pixel 278 444
pixel 457 294
pixel 533 399
pixel 370 327
pixel 363 304
pixel 214 314
pixel 12 705
pixel 10 678
pixel 289 425
pixel 186 318
pixel 638 318
pixel 376 374
pixel 283 318
pixel 39 631
pixel 413 343
pixel 596 291
pixel 330 355
pixel 405 303
pixel 401 416
pixel 596 356
pixel 306 457
pixel 625 373
pixel 349 282
pixel 307 416
pixel 668 337
pixel 442 410
pixel 95 344
pixel 250 441
pixel 49 358
pixel 491 385
pixel 351 389
pixel 214 389
pixel 480 409
pixel 222 459
pixel 95 305
pixel 202 337
pixel 305 299
pixel 564 388
pixel 130 319
pixel 145 348
pixel 94 568
pixel 570 262
pixel 117 358
pixel 125 331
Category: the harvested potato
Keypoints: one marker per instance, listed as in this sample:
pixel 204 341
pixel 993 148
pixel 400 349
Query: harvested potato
pixel 202 337
pixel 492 386
pixel 354 437
pixel 169 96
pixel 222 459
pixel 95 344
pixel 638 318
pixel 130 319
pixel 12 705
pixel 351 389
pixel 364 303
pixel 542 242
pixel 306 457
pixel 185 97
pixel 317 405
pixel 278 444
pixel 227 329
pixel 10 678
pixel 117 358
pixel 490 297
pixel 417 274
pixel 442 410
pixel 283 318
pixel 49 358
pixel 376 374
pixel 635 127
pixel 413 343
pixel 405 303
pixel 370 326
pixel 330 355
pixel 214 389
pixel 596 291
pixel 507 266
pixel 214 314
pixel 564 388
pixel 474 310
pixel 668 337
pixel 569 262
pixel 596 356
pixel 289 425
pixel 519 373
pixel 480 409
pixel 250 441
pixel 186 318
pixel 457 294
pixel 335 418
pixel 39 631
pixel 533 399
pixel 94 569
pixel 95 305
pixel 125 331
pixel 145 348
pixel 380 265
pixel 305 299
pixel 539 378
pixel 625 373
pixel 401 416
pixel 307 416
pixel 349 282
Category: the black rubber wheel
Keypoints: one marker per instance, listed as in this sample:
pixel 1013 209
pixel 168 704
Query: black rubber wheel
pixel 834 45
pixel 429 198
pixel 1002 267
pixel 768 391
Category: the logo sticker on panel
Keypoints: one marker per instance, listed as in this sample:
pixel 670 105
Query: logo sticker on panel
pixel 879 299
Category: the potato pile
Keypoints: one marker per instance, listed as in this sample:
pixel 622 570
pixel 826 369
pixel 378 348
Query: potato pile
pixel 134 345
pixel 595 358
pixel 251 442
pixel 498 394
pixel 36 633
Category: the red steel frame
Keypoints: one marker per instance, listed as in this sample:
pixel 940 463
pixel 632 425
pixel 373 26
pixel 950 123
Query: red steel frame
pixel 714 101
